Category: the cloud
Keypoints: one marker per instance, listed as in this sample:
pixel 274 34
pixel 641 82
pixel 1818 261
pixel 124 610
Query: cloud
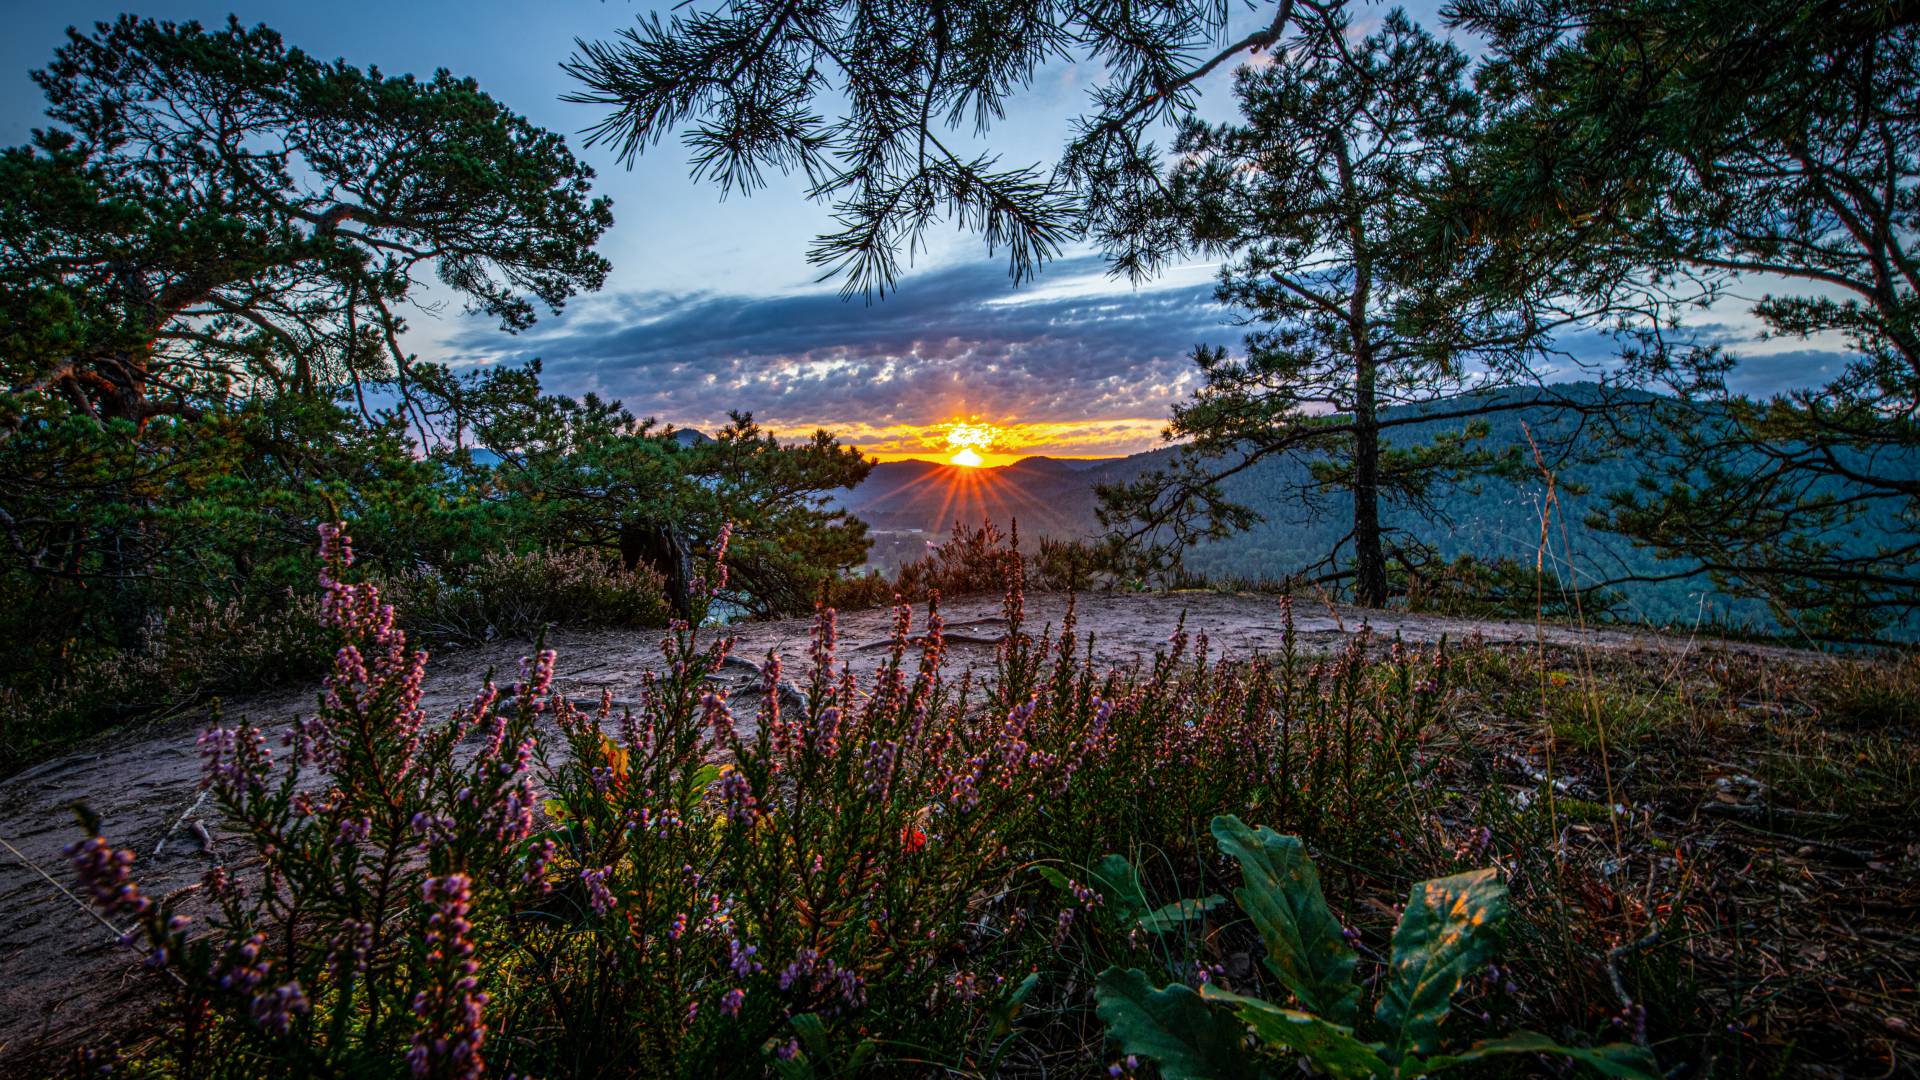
pixel 1767 374
pixel 1074 364
pixel 948 344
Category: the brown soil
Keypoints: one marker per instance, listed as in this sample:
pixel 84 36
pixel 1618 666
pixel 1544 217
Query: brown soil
pixel 66 976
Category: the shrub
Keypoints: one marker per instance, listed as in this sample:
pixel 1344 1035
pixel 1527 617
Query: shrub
pixel 188 653
pixel 979 560
pixel 1069 565
pixel 852 592
pixel 506 594
pixel 1329 744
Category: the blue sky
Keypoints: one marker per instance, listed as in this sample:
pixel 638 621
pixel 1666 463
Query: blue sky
pixel 712 305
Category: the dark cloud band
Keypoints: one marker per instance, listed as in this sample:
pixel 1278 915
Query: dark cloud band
pixel 950 342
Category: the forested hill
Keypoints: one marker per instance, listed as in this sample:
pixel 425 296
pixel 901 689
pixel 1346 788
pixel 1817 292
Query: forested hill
pixel 911 502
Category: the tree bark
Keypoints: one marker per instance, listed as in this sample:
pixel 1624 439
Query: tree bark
pixel 661 548
pixel 1370 561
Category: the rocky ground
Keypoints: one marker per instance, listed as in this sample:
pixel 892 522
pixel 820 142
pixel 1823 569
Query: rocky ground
pixel 64 970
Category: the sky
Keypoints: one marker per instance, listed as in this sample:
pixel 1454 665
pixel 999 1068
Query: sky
pixel 712 306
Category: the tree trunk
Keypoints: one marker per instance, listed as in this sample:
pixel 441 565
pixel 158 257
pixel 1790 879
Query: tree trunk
pixel 661 548
pixel 1370 561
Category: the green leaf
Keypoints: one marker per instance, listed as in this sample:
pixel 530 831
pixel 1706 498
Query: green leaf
pixel 1119 883
pixel 696 790
pixel 1003 1011
pixel 1614 1059
pixel 813 1034
pixel 1179 913
pixel 1331 1048
pixel 1305 946
pixel 1447 933
pixel 1173 1027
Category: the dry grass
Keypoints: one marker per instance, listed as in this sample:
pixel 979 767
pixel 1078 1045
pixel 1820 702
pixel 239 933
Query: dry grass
pixel 1739 870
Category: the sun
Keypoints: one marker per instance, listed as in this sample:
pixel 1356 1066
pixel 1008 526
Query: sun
pixel 967 440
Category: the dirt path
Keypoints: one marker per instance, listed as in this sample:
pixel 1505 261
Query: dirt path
pixel 63 971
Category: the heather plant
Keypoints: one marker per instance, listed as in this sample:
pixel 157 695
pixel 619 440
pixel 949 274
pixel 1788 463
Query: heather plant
pixel 1333 745
pixel 386 853
pixel 974 559
pixel 674 887
pixel 1448 932
pixel 854 592
pixel 758 883
pixel 971 561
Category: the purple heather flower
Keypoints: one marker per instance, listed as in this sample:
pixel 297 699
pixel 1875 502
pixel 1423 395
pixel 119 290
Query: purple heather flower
pixel 275 1009
pixel 336 547
pixel 599 897
pixel 803 965
pixel 1063 926
pixel 731 1001
pixel 433 829
pixel 720 545
pixel 243 967
pixel 237 759
pixel 451 1025
pixel 105 876
pixel 740 959
pixel 816 975
pixel 354 830
pixel 221 885
pixel 539 857
pixel 716 717
pixel 826 638
pixel 537 679
pixel 736 797
pixel 882 758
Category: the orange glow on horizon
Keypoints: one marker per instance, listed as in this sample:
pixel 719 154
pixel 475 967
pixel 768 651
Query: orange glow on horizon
pixel 967 440
pixel 970 493
pixel 996 443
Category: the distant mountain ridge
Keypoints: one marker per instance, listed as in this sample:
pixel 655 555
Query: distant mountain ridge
pixel 908 504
